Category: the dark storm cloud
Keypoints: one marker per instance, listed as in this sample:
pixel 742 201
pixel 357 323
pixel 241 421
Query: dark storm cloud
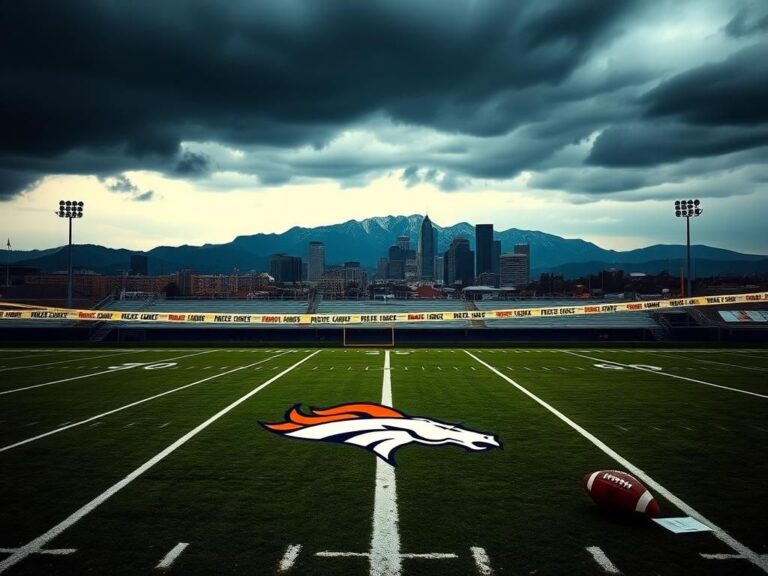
pixel 191 164
pixel 734 91
pixel 651 145
pixel 106 87
pixel 144 76
pixel 750 19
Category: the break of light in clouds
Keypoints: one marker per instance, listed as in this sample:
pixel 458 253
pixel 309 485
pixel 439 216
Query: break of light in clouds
pixel 582 119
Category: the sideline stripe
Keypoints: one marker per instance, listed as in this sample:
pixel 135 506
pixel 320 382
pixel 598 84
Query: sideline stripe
pixel 721 534
pixel 385 541
pixel 66 361
pixel 602 559
pixel 100 373
pixel 665 374
pixel 35 545
pixel 131 405
pixel 169 558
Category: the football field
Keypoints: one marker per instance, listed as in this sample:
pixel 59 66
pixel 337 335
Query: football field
pixel 139 461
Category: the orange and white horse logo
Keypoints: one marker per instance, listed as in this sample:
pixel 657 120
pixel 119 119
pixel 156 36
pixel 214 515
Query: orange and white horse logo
pixel 376 428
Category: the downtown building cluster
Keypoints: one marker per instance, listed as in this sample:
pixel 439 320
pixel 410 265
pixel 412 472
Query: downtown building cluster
pixel 458 266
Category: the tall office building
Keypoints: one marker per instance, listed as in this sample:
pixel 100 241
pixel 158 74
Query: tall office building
pixel 526 250
pixel 139 265
pixel 484 248
pixel 459 263
pixel 396 268
pixel 426 253
pixel 285 269
pixel 496 257
pixel 316 261
pixel 514 270
pixel 404 242
pixel 439 269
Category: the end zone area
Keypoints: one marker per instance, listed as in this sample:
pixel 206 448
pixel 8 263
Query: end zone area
pixel 122 461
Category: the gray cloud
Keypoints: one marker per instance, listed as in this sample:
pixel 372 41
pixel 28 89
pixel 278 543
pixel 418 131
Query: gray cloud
pixel 193 165
pixel 750 19
pixel 466 90
pixel 145 196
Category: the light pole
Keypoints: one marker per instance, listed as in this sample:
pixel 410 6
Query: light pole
pixel 688 209
pixel 70 209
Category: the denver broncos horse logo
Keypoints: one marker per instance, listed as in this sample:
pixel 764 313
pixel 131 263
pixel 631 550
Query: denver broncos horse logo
pixel 376 428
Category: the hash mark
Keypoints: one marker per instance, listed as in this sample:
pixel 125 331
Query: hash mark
pixel 169 558
pixel 482 562
pixel 289 558
pixel 602 560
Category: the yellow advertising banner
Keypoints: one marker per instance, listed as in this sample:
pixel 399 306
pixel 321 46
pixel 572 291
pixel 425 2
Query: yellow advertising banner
pixel 265 319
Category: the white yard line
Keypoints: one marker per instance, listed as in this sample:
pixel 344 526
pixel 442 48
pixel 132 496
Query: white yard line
pixel 67 361
pixel 641 369
pixel 98 373
pixel 131 405
pixel 35 545
pixel 170 558
pixel 385 541
pixel 603 560
pixel 727 539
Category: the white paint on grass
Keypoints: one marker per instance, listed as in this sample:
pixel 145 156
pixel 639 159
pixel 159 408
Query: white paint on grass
pixel 66 361
pixel 289 558
pixel 482 562
pixel 109 371
pixel 431 556
pixel 38 543
pixel 131 405
pixel 721 534
pixel 49 551
pixel 603 560
pixel 170 558
pixel 645 369
pixel 385 541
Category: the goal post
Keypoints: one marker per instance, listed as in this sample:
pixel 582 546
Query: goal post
pixel 380 337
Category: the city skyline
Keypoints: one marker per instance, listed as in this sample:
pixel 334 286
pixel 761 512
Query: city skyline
pixel 580 119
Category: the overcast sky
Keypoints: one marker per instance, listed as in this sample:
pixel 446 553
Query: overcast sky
pixel 186 122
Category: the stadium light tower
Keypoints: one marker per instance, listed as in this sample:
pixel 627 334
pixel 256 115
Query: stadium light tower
pixel 688 209
pixel 70 209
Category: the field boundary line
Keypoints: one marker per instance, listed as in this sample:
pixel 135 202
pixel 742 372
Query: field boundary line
pixel 131 405
pixel 35 545
pixel 4 392
pixel 641 369
pixel 66 361
pixel 718 532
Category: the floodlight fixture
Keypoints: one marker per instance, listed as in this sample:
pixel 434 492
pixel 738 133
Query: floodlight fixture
pixel 70 209
pixel 688 209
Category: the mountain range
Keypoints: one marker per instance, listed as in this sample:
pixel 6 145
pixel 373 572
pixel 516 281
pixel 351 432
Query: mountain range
pixel 368 240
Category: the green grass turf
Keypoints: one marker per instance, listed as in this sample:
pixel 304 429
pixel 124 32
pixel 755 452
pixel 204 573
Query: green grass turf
pixel 239 495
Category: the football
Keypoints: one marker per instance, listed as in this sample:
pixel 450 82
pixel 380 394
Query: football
pixel 620 491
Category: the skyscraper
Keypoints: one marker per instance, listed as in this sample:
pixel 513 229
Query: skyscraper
pixel 525 249
pixel 484 248
pixel 316 261
pixel 426 254
pixel 514 270
pixel 139 264
pixel 284 268
pixel 459 263
pixel 404 242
